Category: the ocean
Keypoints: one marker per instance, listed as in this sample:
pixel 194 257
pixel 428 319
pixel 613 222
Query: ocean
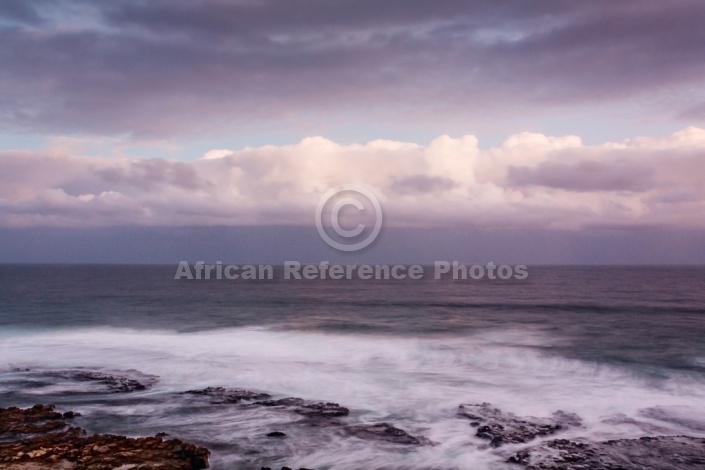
pixel 621 347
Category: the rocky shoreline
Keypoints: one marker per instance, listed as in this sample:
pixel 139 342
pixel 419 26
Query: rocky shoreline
pixel 661 452
pixel 41 437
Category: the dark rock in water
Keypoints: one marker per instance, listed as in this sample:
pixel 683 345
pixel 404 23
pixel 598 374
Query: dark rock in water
pixel 681 416
pixel 506 428
pixel 386 432
pixel 73 449
pixel 285 468
pixel 567 420
pixel 323 410
pixel 114 383
pixel 80 381
pixel 36 420
pixel 228 395
pixel 619 419
pixel 310 409
pixel 662 453
pixel 276 434
pixel 57 446
pixel 282 402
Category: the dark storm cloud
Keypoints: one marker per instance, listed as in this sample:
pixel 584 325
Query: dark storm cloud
pixel 19 11
pixel 420 184
pixel 585 175
pixel 163 67
pixel 694 113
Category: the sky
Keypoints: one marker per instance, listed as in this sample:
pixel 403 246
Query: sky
pixel 538 132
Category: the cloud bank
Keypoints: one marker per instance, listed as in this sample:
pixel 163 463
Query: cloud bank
pixel 531 180
pixel 171 67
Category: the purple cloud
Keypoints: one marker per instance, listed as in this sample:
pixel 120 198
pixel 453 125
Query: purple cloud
pixel 586 175
pixel 173 67
pixel 531 180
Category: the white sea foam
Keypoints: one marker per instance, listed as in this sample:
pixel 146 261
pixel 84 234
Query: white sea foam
pixel 416 384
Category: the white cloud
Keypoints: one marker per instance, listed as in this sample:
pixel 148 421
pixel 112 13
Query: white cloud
pixel 529 180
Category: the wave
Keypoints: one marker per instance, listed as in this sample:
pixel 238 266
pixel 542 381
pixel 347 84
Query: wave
pixel 416 383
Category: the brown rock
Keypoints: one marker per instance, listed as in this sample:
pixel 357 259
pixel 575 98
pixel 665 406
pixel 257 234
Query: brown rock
pixel 54 445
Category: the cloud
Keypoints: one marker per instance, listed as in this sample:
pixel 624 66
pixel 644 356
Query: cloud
pixel 164 67
pixel 421 184
pixel 20 11
pixel 696 112
pixel 531 180
pixel 585 175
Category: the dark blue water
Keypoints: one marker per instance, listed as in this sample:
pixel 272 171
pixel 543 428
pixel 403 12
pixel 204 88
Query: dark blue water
pixel 608 343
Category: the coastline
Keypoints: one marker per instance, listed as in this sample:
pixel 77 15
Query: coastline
pixel 42 437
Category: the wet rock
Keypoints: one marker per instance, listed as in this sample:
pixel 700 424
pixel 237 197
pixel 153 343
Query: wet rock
pixel 113 383
pixel 567 420
pixel 506 428
pixel 33 445
pixel 621 419
pixel 386 432
pixel 680 416
pixel 73 449
pixel 75 381
pixel 228 395
pixel 323 410
pixel 663 453
pixel 285 468
pixel 284 402
pixel 309 409
pixel 36 420
pixel 106 382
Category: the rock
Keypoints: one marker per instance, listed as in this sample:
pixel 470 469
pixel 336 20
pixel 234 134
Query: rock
pixel 506 428
pixel 680 416
pixel 288 402
pixel 298 405
pixel 112 382
pixel 69 382
pixel 567 419
pixel 323 410
pixel 228 395
pixel 284 468
pixel 386 432
pixel 105 451
pixel 59 446
pixel 36 420
pixel 620 419
pixel 276 434
pixel 663 453
pixel 309 409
